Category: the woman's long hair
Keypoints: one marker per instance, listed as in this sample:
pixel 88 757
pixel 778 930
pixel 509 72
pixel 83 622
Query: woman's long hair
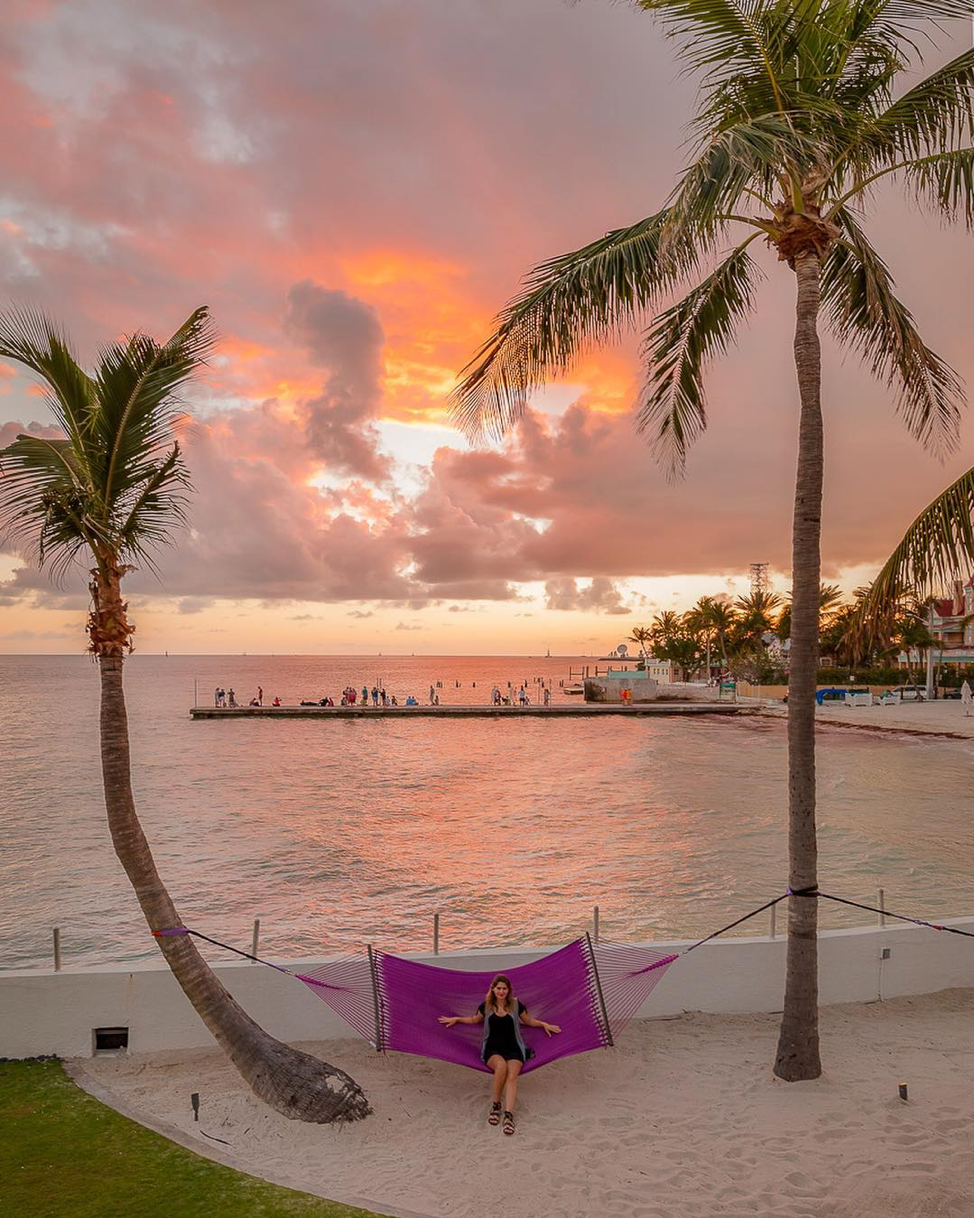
pixel 490 1003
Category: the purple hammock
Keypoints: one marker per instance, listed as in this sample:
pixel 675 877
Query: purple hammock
pixel 590 991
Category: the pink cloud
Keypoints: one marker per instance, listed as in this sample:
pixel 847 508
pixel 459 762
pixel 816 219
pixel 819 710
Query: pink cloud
pixel 354 198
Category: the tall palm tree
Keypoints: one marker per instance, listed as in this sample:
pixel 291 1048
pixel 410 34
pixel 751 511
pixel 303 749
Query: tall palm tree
pixel 108 494
pixel 722 617
pixel 795 127
pixel 698 620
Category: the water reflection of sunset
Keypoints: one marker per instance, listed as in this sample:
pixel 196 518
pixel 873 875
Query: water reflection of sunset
pixel 340 833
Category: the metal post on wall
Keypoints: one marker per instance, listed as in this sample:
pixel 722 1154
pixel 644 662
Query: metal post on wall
pixel 436 934
pixel 774 923
pixel 882 907
pixel 595 923
pixel 255 940
pixel 57 949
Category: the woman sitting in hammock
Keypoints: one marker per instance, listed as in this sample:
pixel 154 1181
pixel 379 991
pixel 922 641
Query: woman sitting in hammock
pixel 502 1047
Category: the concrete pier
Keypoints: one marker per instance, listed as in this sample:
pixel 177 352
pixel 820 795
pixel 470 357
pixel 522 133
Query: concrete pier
pixel 582 710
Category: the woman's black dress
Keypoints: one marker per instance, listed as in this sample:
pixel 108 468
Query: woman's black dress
pixel 500 1035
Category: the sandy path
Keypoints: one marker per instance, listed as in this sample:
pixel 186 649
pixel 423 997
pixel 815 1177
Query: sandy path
pixel 683 1120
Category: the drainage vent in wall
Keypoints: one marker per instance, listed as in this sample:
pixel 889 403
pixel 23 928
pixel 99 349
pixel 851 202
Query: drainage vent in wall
pixel 111 1040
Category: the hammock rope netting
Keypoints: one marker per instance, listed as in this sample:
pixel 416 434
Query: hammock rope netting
pixel 591 990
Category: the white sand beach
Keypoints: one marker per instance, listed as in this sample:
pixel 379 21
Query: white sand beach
pixel 683 1119
pixel 944 717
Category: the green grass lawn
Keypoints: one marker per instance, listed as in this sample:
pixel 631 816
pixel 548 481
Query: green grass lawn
pixel 65 1155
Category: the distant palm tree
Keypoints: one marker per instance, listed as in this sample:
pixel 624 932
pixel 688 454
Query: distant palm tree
pixel 796 125
pixel 721 616
pixel 757 614
pixel 664 626
pixel 642 636
pixel 107 494
pixel 830 603
pixel 698 620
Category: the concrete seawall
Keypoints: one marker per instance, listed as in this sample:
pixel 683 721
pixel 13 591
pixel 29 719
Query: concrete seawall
pixel 46 1012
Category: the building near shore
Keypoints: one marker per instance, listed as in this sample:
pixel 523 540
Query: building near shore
pixel 953 624
pixel 621 685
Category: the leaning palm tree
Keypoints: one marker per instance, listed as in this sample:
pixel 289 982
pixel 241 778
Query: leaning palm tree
pixel 796 125
pixel 107 495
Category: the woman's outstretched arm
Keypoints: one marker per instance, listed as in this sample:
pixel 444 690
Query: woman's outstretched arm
pixel 549 1028
pixel 449 1020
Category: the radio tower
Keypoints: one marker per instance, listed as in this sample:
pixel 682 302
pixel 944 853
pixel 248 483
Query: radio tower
pixel 759 578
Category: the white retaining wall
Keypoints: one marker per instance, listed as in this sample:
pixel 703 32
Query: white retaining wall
pixel 46 1012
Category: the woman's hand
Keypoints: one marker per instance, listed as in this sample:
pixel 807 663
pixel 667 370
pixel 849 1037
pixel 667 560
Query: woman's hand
pixel 448 1020
pixel 550 1028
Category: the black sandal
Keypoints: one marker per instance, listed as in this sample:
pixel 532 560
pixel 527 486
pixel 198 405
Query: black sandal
pixel 508 1122
pixel 494 1118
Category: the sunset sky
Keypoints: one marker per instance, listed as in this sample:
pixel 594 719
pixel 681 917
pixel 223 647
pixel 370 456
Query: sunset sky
pixel 354 187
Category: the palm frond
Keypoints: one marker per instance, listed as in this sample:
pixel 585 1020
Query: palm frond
pixel 677 347
pixel 937 545
pixel 946 181
pixel 31 338
pixel 908 21
pixel 937 113
pixel 864 312
pixel 567 302
pixel 137 382
pixel 115 483
pixel 722 39
pixel 749 155
pixel 155 506
pixel 44 500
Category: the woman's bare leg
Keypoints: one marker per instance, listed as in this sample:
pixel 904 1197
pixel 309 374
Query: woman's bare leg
pixel 499 1067
pixel 510 1086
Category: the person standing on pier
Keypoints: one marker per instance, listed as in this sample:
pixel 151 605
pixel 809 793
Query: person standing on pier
pixel 260 696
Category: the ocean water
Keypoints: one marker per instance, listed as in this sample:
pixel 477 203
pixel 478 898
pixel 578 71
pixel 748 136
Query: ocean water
pixel 339 833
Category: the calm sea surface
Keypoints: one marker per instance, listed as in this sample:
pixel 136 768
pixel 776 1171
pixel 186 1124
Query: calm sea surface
pixel 337 833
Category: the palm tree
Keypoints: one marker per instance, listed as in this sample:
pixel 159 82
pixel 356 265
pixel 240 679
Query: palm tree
pixel 722 618
pixel 642 636
pixel 757 614
pixel 698 620
pixel 795 126
pixel 108 494
pixel 830 598
pixel 664 626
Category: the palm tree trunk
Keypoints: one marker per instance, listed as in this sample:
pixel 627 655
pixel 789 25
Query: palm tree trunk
pixel 798 1048
pixel 292 1082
